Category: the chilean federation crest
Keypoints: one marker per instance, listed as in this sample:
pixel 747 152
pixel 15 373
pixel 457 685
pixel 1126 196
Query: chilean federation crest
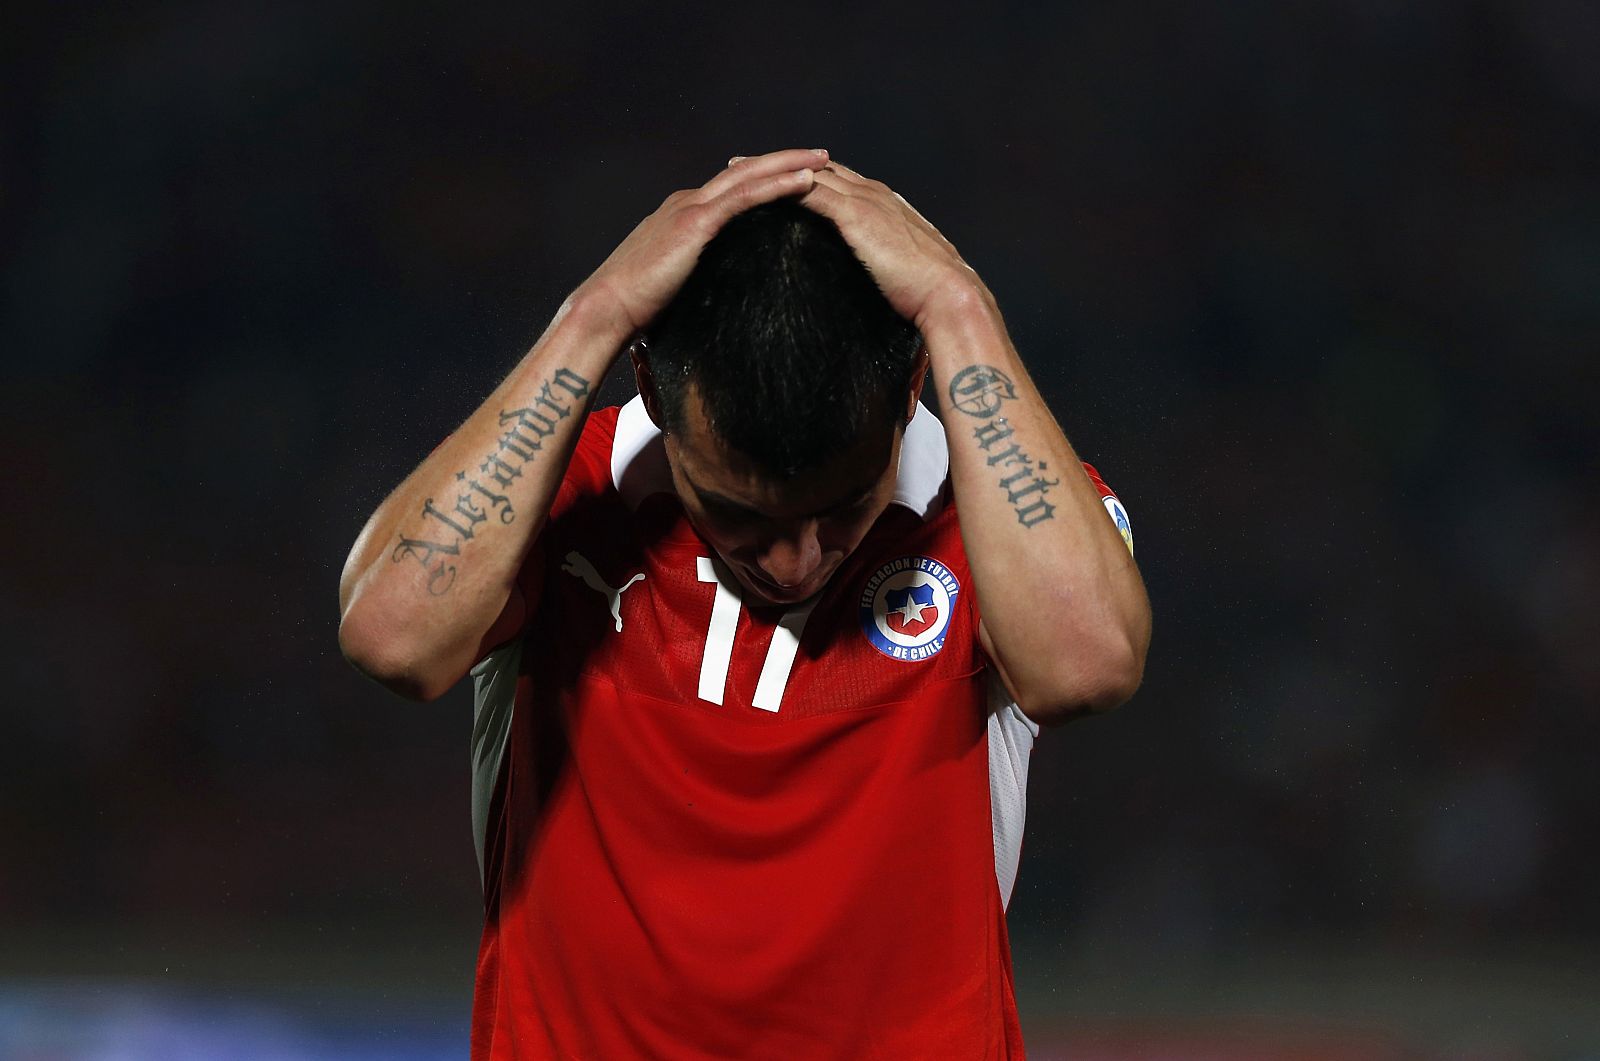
pixel 1119 516
pixel 906 607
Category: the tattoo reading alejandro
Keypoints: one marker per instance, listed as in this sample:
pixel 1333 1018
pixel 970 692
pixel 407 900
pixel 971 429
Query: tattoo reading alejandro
pixel 980 391
pixel 526 430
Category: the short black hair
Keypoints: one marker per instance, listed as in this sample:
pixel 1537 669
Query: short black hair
pixel 787 339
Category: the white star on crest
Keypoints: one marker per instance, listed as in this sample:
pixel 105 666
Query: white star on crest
pixel 911 611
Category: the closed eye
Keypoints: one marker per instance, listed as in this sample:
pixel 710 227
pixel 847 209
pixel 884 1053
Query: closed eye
pixel 844 508
pixel 728 511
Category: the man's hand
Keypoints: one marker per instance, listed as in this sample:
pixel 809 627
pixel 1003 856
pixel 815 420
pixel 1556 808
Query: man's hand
pixel 1018 482
pixel 647 269
pixel 914 266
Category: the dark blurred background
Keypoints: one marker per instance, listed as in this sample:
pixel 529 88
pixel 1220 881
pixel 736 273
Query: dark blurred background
pixel 1315 286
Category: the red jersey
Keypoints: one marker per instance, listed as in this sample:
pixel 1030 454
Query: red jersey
pixel 710 830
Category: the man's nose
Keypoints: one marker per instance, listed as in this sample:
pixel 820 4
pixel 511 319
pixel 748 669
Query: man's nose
pixel 792 556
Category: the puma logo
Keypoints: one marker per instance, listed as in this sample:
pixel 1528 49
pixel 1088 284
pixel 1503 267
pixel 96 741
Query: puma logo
pixel 577 564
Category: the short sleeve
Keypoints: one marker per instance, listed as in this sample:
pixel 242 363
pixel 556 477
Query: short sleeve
pixel 1113 504
pixel 588 476
pixel 589 471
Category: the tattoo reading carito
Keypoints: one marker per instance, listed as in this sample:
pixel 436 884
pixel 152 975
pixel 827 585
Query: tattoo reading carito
pixel 980 391
pixel 526 431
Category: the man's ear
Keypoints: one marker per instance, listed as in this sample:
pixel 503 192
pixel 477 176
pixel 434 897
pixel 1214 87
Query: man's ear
pixel 645 381
pixel 919 377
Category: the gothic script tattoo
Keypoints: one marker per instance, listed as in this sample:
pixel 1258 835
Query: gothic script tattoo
pixel 526 431
pixel 980 391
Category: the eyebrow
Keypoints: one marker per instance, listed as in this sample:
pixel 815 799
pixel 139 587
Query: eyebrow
pixel 712 499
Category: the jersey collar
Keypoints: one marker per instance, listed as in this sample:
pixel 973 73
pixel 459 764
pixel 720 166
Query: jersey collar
pixel 639 460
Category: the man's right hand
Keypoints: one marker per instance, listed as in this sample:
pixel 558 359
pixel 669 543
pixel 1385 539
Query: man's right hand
pixel 649 267
pixel 432 583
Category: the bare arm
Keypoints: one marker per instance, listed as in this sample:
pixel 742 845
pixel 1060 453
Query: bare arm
pixel 1071 635
pixel 431 582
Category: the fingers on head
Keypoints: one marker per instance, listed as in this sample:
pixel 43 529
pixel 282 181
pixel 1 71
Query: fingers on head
pixel 829 181
pixel 828 199
pixel 850 179
pixel 835 166
pixel 705 215
pixel 773 186
pixel 788 158
pixel 751 167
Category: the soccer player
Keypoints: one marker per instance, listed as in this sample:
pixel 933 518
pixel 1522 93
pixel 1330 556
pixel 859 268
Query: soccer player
pixel 760 656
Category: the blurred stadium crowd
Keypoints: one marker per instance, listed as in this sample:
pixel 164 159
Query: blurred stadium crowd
pixel 1315 288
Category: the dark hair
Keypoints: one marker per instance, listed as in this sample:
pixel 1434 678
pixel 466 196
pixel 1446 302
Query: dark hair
pixel 787 339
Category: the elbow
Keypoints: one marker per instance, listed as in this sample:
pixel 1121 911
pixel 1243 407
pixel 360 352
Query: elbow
pixel 388 660
pixel 1115 683
pixel 1092 685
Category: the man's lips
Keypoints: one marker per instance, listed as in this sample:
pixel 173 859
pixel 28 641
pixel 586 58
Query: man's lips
pixel 779 594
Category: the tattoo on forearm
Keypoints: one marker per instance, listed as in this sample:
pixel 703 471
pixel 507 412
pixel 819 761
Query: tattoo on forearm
pixel 526 431
pixel 981 391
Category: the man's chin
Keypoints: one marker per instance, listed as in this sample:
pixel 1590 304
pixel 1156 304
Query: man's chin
pixel 763 592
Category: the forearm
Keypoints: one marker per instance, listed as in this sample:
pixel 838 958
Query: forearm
pixel 1062 602
pixel 436 565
